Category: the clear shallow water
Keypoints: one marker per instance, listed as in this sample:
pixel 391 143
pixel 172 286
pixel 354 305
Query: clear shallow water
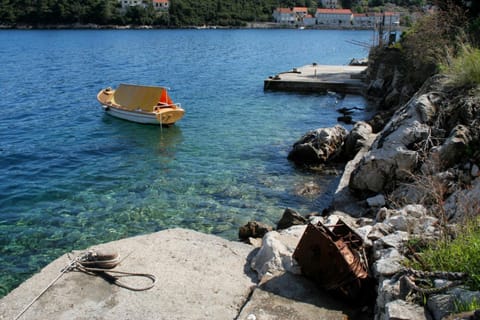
pixel 71 177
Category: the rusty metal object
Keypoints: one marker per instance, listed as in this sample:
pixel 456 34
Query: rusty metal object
pixel 334 258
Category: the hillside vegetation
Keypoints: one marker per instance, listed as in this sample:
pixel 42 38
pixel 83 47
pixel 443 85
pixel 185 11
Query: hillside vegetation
pixel 181 12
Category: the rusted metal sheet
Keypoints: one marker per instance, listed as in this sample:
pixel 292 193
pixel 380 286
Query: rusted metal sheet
pixel 334 258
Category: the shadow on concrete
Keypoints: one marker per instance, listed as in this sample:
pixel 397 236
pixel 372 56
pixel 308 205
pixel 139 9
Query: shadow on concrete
pixel 302 290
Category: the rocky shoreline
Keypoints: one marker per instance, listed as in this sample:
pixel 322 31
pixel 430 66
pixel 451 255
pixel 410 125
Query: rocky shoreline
pixel 413 152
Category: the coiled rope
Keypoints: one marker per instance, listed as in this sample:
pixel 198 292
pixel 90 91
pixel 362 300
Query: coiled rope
pixel 99 264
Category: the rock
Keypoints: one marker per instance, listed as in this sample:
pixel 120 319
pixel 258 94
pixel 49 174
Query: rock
pixel 442 305
pixel 345 119
pixel 391 158
pixel 376 201
pixel 392 98
pixel 475 171
pixel 379 230
pixel 343 198
pixel 318 146
pixel 290 218
pixel 389 262
pixel 402 310
pixel 375 87
pixel 387 292
pixel 383 213
pixel 356 139
pixel 453 149
pixel 275 255
pixel 363 232
pixel 308 189
pixel 463 203
pixel 253 229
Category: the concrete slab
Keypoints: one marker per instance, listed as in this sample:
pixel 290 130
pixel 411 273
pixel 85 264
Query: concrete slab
pixel 293 297
pixel 199 276
pixel 319 78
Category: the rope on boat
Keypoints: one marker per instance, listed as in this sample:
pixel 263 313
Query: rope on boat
pixel 94 263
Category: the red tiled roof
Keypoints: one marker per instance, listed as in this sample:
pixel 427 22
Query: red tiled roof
pixel 300 9
pixel 335 11
pixel 161 1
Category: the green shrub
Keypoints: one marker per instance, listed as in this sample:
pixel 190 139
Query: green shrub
pixel 464 68
pixel 461 254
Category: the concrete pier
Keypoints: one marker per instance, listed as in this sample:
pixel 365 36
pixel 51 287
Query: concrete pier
pixel 319 78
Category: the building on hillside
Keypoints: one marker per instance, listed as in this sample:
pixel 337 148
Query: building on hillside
pixel 157 4
pixel 161 4
pixel 372 19
pixel 334 17
pixel 295 15
pixel 283 16
pixel 330 4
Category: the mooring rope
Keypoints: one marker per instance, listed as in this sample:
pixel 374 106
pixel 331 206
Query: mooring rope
pixel 94 263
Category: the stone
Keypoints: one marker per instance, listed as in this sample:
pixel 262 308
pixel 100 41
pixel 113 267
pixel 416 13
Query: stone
pixel 253 229
pixel 275 254
pixel 440 305
pixel 382 214
pixel 453 149
pixel 463 203
pixel 356 139
pixel 393 240
pixel 309 189
pixel 318 146
pixel 387 292
pixel 402 310
pixel 391 159
pixel 389 263
pixel 290 218
pixel 475 171
pixel 376 201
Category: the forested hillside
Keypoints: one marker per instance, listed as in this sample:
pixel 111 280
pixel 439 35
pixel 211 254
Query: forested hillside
pixel 181 12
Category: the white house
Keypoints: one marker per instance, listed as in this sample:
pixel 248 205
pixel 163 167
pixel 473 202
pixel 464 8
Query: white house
pixel 157 4
pixel 283 16
pixel 334 17
pixel 374 19
pixel 291 15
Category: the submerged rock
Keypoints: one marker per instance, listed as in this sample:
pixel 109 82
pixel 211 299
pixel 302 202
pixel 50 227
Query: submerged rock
pixel 253 229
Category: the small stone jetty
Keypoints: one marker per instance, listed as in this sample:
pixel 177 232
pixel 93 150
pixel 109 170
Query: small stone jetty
pixel 319 78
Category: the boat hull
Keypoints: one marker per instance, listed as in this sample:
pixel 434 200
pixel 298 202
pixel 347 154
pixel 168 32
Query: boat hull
pixel 161 113
pixel 164 117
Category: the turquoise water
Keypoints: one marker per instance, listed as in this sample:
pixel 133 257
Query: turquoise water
pixel 71 176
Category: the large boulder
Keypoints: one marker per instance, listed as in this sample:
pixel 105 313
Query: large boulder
pixel 357 139
pixel 318 146
pixel 395 152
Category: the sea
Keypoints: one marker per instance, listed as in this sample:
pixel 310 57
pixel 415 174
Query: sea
pixel 72 177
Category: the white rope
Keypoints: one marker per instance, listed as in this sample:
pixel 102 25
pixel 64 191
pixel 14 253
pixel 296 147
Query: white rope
pixel 62 272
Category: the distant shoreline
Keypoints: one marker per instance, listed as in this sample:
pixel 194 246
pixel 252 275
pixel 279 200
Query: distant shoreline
pixel 91 26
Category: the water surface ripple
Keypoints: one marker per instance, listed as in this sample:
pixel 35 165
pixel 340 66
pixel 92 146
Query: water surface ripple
pixel 71 177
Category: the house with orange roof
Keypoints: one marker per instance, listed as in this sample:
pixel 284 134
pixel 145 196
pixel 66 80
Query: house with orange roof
pixel 161 4
pixel 295 15
pixel 334 17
